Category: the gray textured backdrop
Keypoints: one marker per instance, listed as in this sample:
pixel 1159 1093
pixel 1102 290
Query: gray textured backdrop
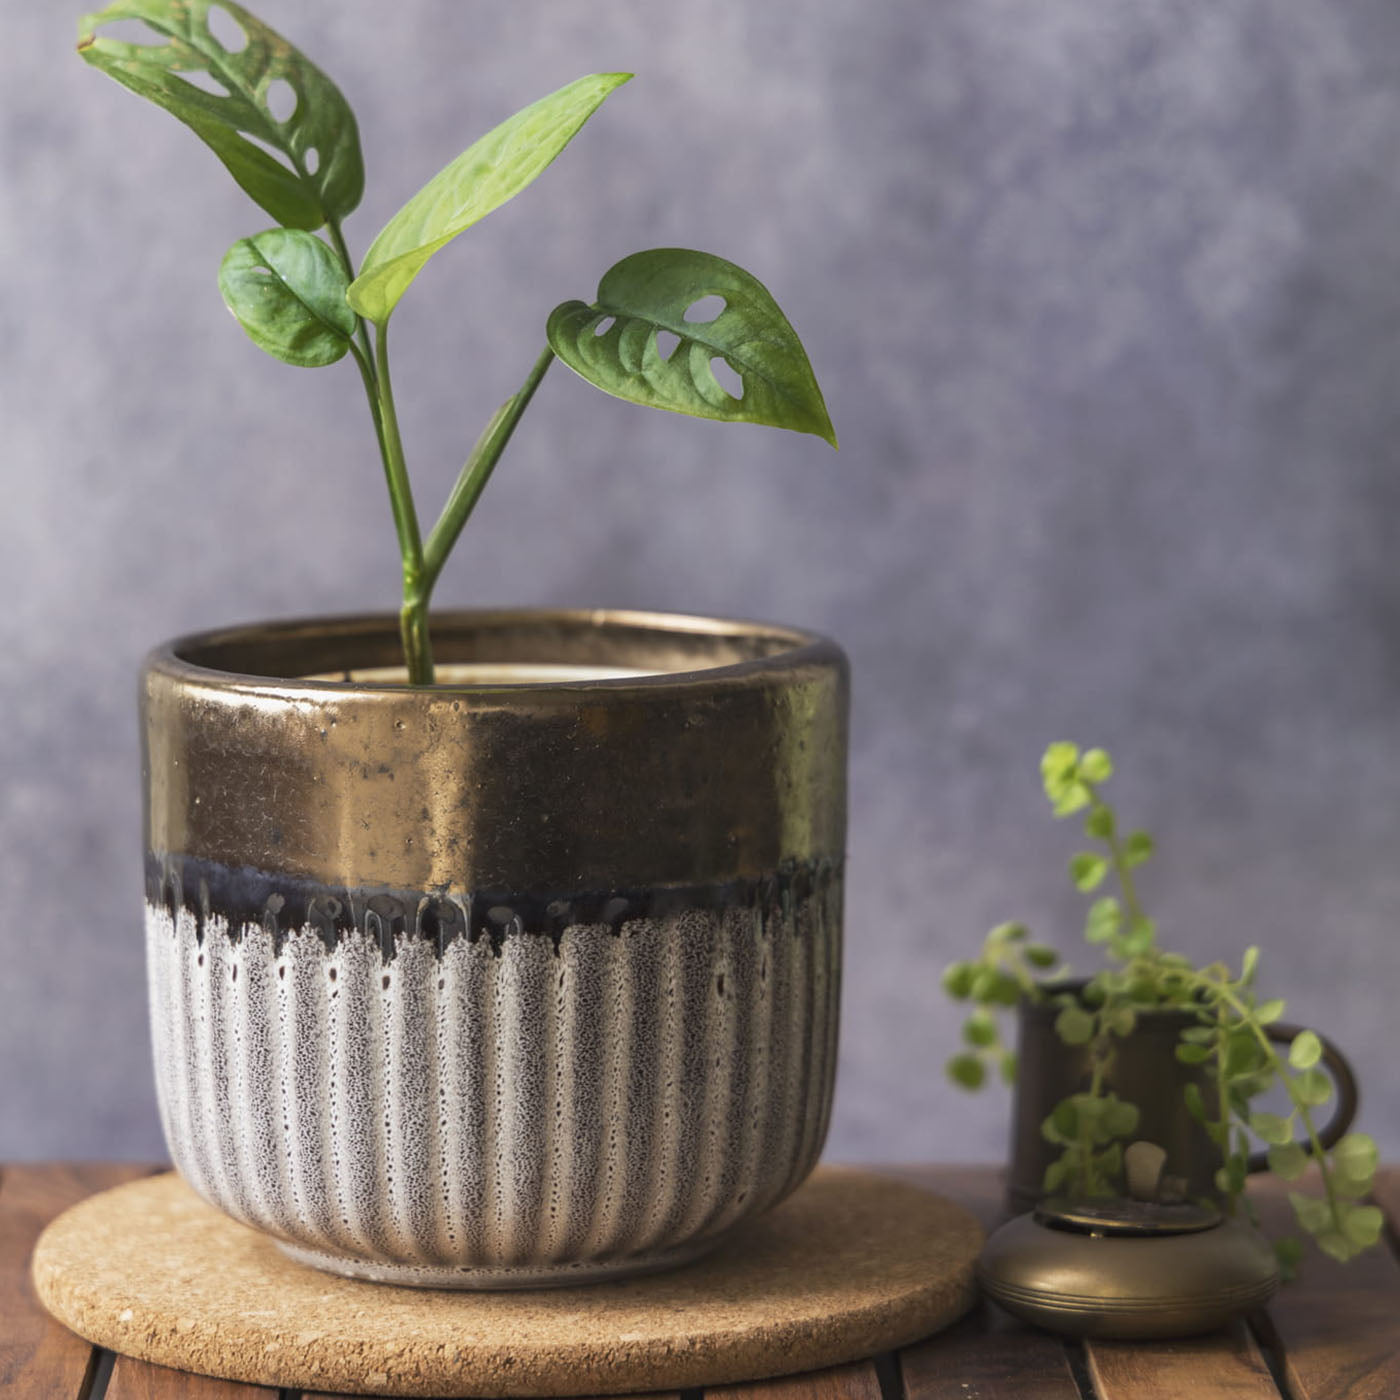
pixel 1106 302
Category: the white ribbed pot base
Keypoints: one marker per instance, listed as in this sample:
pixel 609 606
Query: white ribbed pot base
pixel 505 1276
pixel 534 1113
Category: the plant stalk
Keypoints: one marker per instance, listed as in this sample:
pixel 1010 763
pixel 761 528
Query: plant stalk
pixel 476 472
pixel 361 333
pixel 413 616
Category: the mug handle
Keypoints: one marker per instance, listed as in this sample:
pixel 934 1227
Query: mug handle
pixel 1343 1080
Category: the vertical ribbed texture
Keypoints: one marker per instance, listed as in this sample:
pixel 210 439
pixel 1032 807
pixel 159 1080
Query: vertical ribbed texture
pixel 500 1113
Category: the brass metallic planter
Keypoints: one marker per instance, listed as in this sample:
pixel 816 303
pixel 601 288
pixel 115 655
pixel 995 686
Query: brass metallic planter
pixel 527 977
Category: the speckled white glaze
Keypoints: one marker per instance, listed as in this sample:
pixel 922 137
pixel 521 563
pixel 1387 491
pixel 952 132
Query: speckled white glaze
pixel 496 1118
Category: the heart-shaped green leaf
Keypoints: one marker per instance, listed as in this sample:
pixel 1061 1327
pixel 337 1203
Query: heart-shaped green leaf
pixel 287 290
pixel 487 174
pixel 613 343
pixel 317 173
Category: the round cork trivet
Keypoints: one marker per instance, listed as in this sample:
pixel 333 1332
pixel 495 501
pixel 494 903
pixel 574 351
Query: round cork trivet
pixel 850 1265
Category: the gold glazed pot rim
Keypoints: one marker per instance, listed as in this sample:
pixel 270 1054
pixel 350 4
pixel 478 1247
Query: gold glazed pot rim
pixel 273 655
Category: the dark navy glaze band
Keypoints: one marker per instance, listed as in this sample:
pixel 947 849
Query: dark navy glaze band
pixel 284 904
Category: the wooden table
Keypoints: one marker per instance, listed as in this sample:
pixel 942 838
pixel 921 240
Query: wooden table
pixel 1335 1335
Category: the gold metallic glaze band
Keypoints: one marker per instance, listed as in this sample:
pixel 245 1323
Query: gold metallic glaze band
pixel 720 757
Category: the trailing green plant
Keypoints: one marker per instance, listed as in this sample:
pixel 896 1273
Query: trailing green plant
pixel 1227 1036
pixel 300 298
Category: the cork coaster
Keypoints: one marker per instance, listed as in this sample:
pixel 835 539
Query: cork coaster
pixel 850 1265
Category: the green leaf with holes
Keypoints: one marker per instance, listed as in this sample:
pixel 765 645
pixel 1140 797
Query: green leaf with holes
pixel 287 290
pixel 318 172
pixel 613 344
pixel 487 174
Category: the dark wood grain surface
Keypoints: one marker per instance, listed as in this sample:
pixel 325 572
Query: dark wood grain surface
pixel 1333 1335
pixel 1338 1327
pixel 39 1359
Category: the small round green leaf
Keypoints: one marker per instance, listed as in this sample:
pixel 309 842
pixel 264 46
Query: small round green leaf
pixel 1336 1245
pixel 1098 825
pixel 1195 1102
pixel 1120 1020
pixel 1059 761
pixel 1074 1026
pixel 287 290
pixel 1270 1011
pixel 1087 869
pixel 1312 1087
pixel 1305 1051
pixel 967 1071
pixel 1007 933
pixel 980 1030
pixel 1140 937
pixel 1137 848
pixel 1356 1156
pixel 1288 1161
pixel 1105 919
pixel 1271 1127
pixel 1193 1054
pixel 984 982
pixel 1096 766
pixel 1362 1225
pixel 1073 798
pixel 614 345
pixel 958 980
pixel 1040 956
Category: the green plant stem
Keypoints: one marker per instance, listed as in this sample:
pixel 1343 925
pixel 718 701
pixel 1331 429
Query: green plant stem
pixel 1223 1107
pixel 1121 869
pixel 1086 1165
pixel 361 331
pixel 371 383
pixel 476 472
pixel 413 616
pixel 413 621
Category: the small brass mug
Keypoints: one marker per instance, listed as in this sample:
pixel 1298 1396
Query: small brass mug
pixel 1145 1072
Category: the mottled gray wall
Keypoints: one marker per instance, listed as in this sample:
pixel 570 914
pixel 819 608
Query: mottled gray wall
pixel 1106 301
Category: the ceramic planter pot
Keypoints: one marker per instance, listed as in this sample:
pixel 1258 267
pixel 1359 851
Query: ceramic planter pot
pixel 1145 1072
pixel 528 977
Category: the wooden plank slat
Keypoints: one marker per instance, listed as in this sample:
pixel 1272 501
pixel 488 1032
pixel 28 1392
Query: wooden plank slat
pixel 988 1356
pixel 1225 1365
pixel 139 1380
pixel 39 1358
pixel 1338 1326
pixel 841 1383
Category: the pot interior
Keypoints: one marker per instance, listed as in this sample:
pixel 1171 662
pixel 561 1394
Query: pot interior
pixel 484 673
pixel 492 648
